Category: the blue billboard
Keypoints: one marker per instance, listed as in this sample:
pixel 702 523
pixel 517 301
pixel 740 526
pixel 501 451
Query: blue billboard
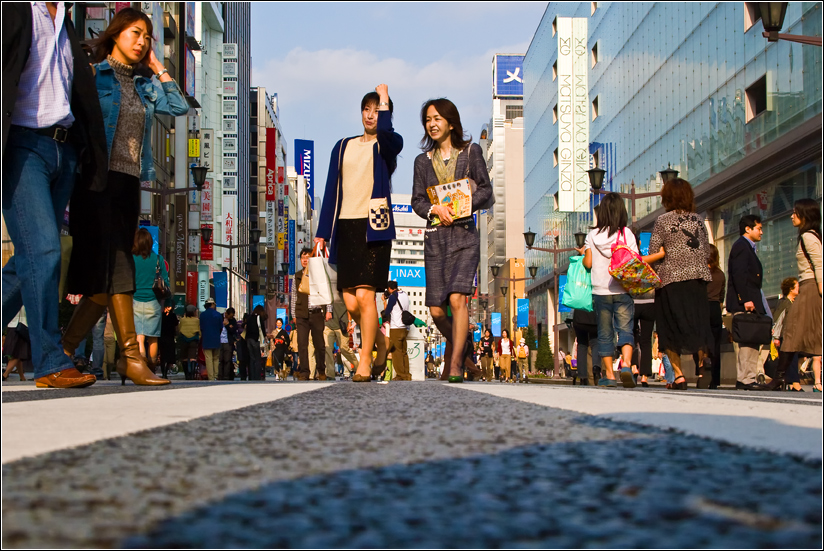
pixel 523 312
pixel 221 288
pixel 643 246
pixel 496 324
pixel 402 208
pixel 305 165
pixel 258 300
pixel 509 75
pixel 408 276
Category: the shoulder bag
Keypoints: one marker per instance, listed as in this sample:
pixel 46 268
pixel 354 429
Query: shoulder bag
pixel 159 287
pixel 807 256
pixel 627 266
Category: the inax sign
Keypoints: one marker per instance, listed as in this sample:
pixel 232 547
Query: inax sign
pixel 573 115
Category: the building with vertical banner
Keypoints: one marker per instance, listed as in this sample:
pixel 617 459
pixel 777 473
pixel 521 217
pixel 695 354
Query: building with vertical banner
pixel 737 116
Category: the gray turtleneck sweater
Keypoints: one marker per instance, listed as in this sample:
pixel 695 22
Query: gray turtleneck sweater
pixel 128 136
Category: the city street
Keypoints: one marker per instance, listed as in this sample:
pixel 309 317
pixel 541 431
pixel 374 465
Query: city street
pixel 408 465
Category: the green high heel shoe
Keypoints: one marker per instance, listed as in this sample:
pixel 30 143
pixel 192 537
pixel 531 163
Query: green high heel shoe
pixel 455 379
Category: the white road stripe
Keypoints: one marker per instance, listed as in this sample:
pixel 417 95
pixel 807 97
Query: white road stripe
pixel 39 426
pixel 794 428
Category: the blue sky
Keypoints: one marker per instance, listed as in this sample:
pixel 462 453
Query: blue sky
pixel 321 58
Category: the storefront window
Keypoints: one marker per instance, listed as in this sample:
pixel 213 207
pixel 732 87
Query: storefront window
pixel 774 204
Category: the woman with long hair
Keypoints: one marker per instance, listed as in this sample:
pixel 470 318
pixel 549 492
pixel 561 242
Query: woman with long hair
pixel 356 219
pixel 451 245
pixel 280 340
pixel 506 348
pixel 613 305
pixel 147 309
pixel 103 224
pixel 716 289
pixel 682 311
pixel 802 327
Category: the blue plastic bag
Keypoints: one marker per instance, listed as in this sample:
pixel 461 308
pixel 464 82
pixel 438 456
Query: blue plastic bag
pixel 578 288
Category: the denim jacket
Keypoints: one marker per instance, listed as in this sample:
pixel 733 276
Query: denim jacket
pixel 166 100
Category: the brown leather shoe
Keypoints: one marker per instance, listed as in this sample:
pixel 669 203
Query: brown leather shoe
pixel 321 377
pixel 68 378
pixel 131 365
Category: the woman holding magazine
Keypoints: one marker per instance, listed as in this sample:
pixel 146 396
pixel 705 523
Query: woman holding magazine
pixel 356 219
pixel 451 245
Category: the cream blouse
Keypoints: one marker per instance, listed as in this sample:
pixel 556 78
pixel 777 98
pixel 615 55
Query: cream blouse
pixel 357 179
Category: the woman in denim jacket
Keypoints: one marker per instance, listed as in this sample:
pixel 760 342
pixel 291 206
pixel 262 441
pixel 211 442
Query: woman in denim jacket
pixel 103 224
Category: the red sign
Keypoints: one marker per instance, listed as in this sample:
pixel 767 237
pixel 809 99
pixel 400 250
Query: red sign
pixel 280 174
pixel 763 199
pixel 271 163
pixel 206 210
pixel 206 249
pixel 191 288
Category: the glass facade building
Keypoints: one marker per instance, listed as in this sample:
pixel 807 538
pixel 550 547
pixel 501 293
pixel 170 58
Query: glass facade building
pixel 694 85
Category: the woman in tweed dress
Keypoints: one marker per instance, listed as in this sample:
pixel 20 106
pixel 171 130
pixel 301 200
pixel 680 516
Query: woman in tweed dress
pixel 451 246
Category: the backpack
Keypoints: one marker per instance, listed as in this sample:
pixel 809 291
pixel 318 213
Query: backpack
pixel 627 266
pixel 521 352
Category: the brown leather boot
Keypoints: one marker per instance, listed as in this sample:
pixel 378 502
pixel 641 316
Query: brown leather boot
pixel 132 364
pixel 86 314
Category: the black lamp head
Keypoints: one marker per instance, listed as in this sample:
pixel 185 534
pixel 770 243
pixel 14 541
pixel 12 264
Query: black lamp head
pixel 285 267
pixel 668 174
pixel 207 235
pixel 199 176
pixel 596 178
pixel 495 270
pixel 772 15
pixel 248 266
pixel 580 239
pixel 504 289
pixel 529 238
pixel 254 235
pixel 533 271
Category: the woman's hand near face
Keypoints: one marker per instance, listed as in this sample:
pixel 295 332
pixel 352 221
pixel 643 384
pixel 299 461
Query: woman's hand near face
pixel 156 66
pixel 383 93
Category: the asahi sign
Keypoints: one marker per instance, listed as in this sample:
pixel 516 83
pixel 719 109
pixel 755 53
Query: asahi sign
pixel 573 115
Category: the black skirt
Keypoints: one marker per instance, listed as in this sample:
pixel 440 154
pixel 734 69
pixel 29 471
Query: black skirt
pixel 361 263
pixel 17 345
pixel 103 225
pixel 682 317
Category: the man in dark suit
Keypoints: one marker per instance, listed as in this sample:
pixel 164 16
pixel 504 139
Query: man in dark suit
pixel 53 136
pixel 744 277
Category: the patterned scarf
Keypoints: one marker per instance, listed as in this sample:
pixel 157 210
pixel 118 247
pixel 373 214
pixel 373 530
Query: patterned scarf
pixel 444 172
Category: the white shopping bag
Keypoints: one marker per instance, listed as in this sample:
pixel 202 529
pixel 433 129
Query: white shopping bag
pixel 320 286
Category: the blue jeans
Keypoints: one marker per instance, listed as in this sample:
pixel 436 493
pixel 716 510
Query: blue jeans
pixel 98 346
pixel 38 178
pixel 669 372
pixel 615 313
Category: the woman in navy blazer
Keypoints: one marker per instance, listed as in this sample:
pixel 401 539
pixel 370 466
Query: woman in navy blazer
pixel 356 218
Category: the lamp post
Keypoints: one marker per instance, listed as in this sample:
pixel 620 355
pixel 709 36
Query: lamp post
pixel 772 17
pixel 533 270
pixel 529 238
pixel 199 176
pixel 596 180
pixel 254 235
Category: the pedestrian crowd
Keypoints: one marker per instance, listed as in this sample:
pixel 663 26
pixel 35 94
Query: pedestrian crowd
pixel 77 125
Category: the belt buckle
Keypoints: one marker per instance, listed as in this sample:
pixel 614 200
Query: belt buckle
pixel 60 134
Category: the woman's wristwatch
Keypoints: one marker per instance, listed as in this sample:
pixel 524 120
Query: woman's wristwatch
pixel 161 73
pixel 381 104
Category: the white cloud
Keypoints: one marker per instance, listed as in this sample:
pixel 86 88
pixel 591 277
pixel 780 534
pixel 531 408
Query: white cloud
pixel 319 95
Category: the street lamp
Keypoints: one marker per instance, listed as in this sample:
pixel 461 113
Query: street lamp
pixel 199 177
pixel 596 181
pixel 772 18
pixel 668 174
pixel 207 236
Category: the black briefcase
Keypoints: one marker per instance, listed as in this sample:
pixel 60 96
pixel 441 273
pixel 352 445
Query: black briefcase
pixel 751 328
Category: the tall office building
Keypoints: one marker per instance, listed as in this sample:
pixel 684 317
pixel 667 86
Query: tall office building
pixel 739 117
pixel 407 263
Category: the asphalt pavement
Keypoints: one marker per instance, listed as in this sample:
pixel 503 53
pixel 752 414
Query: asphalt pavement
pixel 408 465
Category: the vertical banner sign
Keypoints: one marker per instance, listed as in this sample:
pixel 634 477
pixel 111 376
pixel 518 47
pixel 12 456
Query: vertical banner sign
pixel 206 249
pixel 229 214
pixel 580 71
pixel 291 247
pixel 271 163
pixel 206 198
pixel 270 223
pixel 202 286
pixel 523 312
pixel 305 166
pixel 155 232
pixel 191 287
pixel 228 162
pixel 566 123
pixel 280 175
pixel 207 136
pixel 181 217
pixel 573 115
pixel 221 289
pixel 496 324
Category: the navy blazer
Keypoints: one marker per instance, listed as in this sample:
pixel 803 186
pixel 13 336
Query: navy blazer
pixel 385 153
pixel 744 276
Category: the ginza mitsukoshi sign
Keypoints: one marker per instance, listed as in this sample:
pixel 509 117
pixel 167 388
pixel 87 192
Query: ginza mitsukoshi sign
pixel 573 115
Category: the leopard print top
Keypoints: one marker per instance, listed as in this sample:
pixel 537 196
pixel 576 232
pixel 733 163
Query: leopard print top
pixel 686 244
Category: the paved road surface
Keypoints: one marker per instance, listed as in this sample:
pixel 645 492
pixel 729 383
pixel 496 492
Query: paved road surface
pixel 408 465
